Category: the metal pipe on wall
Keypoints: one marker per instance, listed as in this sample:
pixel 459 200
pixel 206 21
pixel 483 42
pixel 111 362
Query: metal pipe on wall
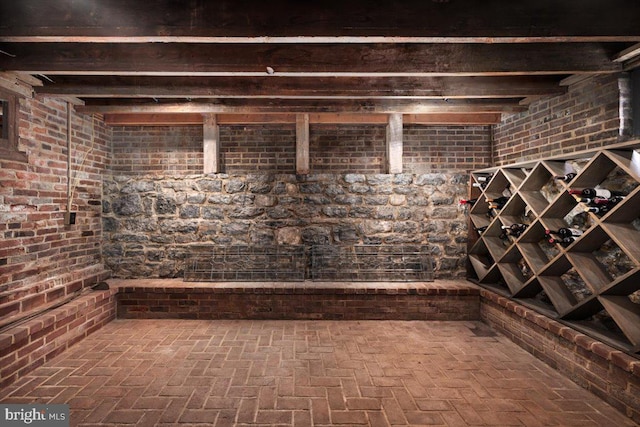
pixel 69 217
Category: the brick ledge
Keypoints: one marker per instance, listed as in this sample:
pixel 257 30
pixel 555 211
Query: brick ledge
pixel 438 287
pixel 609 373
pixel 162 299
pixel 33 342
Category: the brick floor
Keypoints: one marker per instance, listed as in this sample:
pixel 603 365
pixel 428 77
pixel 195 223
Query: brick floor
pixel 307 373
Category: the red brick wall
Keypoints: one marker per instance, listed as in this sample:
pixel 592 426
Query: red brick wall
pixel 42 261
pixel 585 117
pixel 258 148
pixel 271 149
pixel 446 148
pixel 347 148
pixel 141 150
pixel 177 150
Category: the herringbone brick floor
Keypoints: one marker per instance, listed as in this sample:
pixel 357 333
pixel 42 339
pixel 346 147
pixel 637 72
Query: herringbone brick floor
pixel 307 373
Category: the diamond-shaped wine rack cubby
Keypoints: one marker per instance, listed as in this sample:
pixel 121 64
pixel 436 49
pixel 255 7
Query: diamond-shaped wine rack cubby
pixel 590 281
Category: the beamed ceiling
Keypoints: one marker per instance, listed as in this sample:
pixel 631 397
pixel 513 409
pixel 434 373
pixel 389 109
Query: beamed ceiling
pixel 437 61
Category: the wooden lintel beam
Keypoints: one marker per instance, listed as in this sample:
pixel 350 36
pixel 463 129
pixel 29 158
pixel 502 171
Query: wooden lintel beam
pixel 318 118
pixel 311 60
pixel 574 79
pixel 292 21
pixel 452 119
pixel 153 119
pixel 309 106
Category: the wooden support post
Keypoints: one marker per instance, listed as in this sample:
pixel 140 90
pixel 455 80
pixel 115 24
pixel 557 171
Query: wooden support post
pixel 394 143
pixel 302 144
pixel 211 144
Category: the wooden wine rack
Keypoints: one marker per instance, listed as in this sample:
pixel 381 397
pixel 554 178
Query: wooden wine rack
pixel 593 284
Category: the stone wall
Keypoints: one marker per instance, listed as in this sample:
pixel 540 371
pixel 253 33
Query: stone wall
pixel 149 222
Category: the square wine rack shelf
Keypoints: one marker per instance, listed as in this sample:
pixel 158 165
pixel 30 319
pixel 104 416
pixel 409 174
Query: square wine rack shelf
pixel 590 282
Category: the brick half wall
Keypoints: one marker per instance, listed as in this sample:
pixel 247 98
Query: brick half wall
pixel 608 373
pixel 172 299
pixel 26 346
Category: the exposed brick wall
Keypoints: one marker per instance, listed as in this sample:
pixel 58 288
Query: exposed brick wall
pixel 258 148
pixel 141 150
pixel 610 374
pixel 177 150
pixel 446 148
pixel 28 345
pixel 42 261
pixel 347 148
pixel 586 117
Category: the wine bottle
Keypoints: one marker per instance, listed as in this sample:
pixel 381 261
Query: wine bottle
pixel 564 241
pixel 469 202
pixel 565 232
pixel 601 200
pixel 598 210
pixel 515 229
pixel 596 192
pixel 498 202
pixel 480 184
pixel 507 231
pixel 568 177
pixel 593 200
pixel 482 229
pixel 501 199
pixel 615 200
pixel 483 178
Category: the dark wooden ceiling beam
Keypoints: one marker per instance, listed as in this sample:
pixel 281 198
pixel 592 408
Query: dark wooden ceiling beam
pixel 295 21
pixel 307 60
pixel 301 87
pixel 236 106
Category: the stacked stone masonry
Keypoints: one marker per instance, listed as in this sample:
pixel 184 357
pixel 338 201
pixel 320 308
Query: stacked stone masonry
pixel 149 223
